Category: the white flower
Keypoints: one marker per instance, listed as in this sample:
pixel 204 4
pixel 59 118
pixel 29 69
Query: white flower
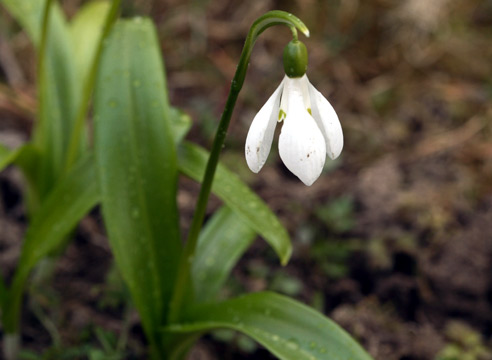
pixel 311 130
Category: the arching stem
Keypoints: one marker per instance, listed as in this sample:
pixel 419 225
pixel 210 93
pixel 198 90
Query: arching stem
pixel 261 24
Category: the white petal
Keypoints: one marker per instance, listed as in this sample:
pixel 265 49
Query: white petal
pixel 260 134
pixel 301 144
pixel 327 120
pixel 297 87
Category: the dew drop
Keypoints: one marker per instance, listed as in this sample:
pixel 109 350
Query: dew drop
pixel 275 338
pixel 112 103
pixel 292 344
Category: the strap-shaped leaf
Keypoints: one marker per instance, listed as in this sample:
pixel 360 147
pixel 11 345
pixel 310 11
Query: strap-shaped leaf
pixel 180 124
pixel 8 156
pixel 27 157
pixel 221 243
pixel 29 13
pixel 136 161
pixel 59 91
pixel 69 201
pixel 86 30
pixel 239 198
pixel 287 328
pixel 65 206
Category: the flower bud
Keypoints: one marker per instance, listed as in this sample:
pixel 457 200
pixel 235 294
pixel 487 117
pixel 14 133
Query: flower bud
pixel 295 59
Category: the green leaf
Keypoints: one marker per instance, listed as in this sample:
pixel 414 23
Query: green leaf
pixel 181 124
pixel 288 329
pixel 8 156
pixel 239 198
pixel 27 158
pixel 221 243
pixel 59 93
pixel 86 31
pixel 59 99
pixel 136 161
pixel 65 206
pixel 29 13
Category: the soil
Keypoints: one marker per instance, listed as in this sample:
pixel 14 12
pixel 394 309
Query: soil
pixel 393 242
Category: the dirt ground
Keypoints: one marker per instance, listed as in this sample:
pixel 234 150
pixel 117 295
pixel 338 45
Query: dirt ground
pixel 393 242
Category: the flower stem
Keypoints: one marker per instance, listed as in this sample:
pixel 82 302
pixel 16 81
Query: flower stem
pixel 182 285
pixel 294 33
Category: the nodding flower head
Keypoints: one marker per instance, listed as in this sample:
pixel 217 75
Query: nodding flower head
pixel 311 128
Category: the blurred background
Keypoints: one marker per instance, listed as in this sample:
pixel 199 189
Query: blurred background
pixel 393 241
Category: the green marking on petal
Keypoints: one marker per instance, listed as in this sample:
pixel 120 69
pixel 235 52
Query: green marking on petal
pixel 281 115
pixel 309 111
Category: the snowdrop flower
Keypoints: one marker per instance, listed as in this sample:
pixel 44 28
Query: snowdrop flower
pixel 311 128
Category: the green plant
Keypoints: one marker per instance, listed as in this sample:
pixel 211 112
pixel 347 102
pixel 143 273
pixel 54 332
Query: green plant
pixel 56 163
pixel 132 171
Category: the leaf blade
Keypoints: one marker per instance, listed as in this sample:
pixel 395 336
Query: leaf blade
pixel 63 208
pixel 136 162
pixel 59 91
pixel 192 161
pixel 8 156
pixel 221 243
pixel 86 30
pixel 287 328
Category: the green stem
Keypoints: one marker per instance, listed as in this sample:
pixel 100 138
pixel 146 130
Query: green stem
pixel 261 24
pixel 294 33
pixel 76 135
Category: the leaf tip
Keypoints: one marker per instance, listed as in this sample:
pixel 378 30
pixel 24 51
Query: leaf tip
pixel 284 260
